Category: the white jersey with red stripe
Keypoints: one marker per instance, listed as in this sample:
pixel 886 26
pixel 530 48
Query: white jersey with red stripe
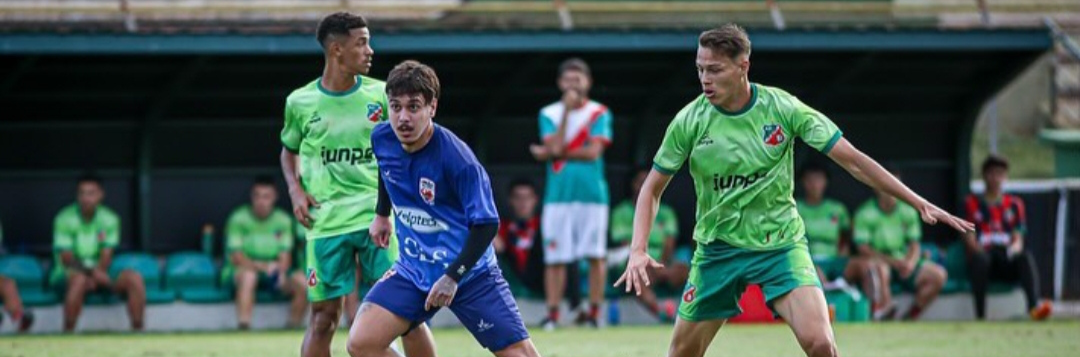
pixel 574 180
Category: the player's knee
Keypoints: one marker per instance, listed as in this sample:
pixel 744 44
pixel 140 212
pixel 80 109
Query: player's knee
pixel 821 346
pixel 77 283
pixel 134 281
pixel 324 320
pixel 246 279
pixel 359 347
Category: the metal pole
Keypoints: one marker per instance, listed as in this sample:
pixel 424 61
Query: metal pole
pixel 1059 241
pixel 993 113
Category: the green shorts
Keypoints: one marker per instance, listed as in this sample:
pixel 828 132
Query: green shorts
pixel 331 271
pixel 720 273
pixel 833 267
pixel 909 283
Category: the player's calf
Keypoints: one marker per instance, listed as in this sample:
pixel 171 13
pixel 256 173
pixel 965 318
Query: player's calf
pixel 77 286
pixel 130 284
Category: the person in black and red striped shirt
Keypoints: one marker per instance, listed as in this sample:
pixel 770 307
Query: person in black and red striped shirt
pixel 996 248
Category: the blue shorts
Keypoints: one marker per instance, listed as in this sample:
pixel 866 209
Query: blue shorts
pixel 484 305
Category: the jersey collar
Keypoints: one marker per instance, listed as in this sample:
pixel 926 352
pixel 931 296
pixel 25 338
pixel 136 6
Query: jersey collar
pixel 745 108
pixel 324 90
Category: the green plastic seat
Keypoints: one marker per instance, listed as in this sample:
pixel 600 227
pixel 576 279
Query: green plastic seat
pixel 147 266
pixel 29 277
pixel 193 277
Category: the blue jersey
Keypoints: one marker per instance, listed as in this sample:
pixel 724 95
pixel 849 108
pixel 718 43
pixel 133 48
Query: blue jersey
pixel 437 193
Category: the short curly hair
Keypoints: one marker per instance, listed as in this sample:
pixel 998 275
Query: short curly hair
pixel 338 24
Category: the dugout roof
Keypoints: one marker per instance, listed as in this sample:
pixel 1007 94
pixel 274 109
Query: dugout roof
pixel 155 110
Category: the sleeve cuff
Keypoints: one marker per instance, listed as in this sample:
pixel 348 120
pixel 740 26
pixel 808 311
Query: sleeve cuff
pixel 664 170
pixel 832 142
pixel 292 150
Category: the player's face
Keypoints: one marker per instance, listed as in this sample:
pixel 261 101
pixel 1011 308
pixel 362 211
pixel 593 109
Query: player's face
pixel 574 80
pixel 354 53
pixel 720 76
pixel 89 195
pixel 995 178
pixel 523 200
pixel 814 183
pixel 410 115
pixel 263 198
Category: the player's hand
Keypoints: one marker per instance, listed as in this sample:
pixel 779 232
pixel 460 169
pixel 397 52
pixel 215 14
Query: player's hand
pixel 380 231
pixel 931 214
pixel 100 277
pixel 636 275
pixel 572 99
pixel 905 268
pixel 540 152
pixel 301 200
pixel 442 293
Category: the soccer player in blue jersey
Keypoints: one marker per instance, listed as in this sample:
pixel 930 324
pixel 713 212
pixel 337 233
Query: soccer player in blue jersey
pixel 445 219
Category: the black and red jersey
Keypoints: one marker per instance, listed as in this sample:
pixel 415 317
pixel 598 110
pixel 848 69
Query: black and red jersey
pixel 995 222
pixel 518 237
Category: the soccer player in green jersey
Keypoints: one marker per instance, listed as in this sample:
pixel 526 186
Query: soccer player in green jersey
pixel 259 242
pixel 738 137
pixel 663 243
pixel 828 228
pixel 329 167
pixel 9 296
pixel 85 235
pixel 889 231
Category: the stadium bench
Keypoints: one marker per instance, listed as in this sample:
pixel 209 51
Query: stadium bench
pixel 148 267
pixel 29 277
pixel 194 278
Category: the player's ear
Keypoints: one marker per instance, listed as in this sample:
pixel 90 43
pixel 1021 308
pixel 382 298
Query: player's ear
pixel 434 106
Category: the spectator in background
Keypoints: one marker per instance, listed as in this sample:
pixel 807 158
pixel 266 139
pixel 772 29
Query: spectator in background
pixel 828 227
pixel 518 243
pixel 259 242
pixel 663 239
pixel 996 248
pixel 85 236
pixel 9 295
pixel 888 231
pixel 574 133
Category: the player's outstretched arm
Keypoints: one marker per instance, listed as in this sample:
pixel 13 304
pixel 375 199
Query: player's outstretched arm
pixel 299 198
pixel 869 172
pixel 636 275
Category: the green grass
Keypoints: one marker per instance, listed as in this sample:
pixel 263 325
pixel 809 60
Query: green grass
pixel 1060 338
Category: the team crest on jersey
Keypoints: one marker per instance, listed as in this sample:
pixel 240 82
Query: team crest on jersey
pixel 427 190
pixel 101 236
pixel 1008 215
pixel 773 134
pixel 312 280
pixel 690 294
pixel 374 112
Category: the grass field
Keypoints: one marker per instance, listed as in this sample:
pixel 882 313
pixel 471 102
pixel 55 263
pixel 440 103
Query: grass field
pixel 923 339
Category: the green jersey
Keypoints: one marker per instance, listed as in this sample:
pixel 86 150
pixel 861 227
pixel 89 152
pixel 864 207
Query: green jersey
pixel 824 223
pixel 331 132
pixel 742 166
pixel 259 239
pixel 85 239
pixel 888 233
pixel 665 226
